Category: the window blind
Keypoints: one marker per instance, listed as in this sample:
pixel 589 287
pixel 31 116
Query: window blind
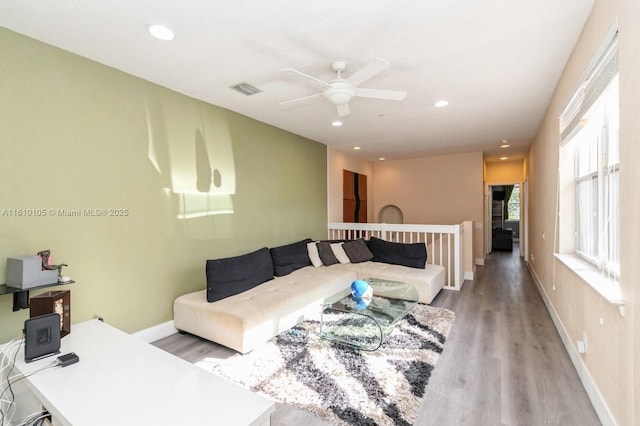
pixel 596 81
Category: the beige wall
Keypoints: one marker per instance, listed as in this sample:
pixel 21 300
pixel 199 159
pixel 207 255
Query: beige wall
pixel 434 190
pixel 630 212
pixel 504 172
pixel 77 135
pixel 612 360
pixel 337 161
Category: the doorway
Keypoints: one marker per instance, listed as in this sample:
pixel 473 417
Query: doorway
pixel 505 218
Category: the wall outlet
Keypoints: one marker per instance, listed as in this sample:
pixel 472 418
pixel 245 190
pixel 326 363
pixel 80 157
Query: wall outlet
pixel 533 259
pixel 582 344
pixel 543 235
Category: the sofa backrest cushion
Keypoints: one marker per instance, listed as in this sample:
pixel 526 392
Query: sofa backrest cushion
pixel 412 255
pixel 339 253
pixel 232 275
pixel 357 251
pixel 326 254
pixel 314 256
pixel 290 257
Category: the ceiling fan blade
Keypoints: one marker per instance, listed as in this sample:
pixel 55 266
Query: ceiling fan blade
pixel 370 70
pixel 343 110
pixel 304 98
pixel 308 78
pixel 390 95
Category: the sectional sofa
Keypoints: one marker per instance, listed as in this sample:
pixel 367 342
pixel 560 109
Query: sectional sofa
pixel 252 298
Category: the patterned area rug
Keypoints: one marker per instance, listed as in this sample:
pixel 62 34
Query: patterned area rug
pixel 343 385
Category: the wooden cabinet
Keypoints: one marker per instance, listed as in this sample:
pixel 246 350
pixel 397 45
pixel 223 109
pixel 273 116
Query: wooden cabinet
pixel 57 302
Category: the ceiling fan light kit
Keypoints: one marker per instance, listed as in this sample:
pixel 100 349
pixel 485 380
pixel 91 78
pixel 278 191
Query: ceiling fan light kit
pixel 340 91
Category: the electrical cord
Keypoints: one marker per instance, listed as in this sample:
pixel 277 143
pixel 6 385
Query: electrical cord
pixel 40 421
pixel 35 419
pixel 10 402
pixel 21 376
pixel 6 363
pixel 11 380
pixel 14 379
pixel 5 360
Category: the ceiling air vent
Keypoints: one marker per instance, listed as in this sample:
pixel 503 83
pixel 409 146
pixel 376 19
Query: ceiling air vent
pixel 246 89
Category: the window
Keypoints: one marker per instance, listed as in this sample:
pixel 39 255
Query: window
pixel 589 162
pixel 596 173
pixel 513 204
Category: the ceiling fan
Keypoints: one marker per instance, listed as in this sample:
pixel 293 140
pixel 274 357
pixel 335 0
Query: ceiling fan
pixel 340 91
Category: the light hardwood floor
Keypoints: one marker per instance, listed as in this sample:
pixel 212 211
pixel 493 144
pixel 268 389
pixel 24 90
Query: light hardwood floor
pixel 503 362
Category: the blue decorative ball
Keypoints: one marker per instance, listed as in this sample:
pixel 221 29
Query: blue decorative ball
pixel 359 288
pixel 362 303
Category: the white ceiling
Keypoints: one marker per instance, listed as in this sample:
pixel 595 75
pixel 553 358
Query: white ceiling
pixel 497 62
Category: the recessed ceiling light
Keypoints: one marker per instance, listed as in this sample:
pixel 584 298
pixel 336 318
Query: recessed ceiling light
pixel 355 148
pixel 381 158
pixel 504 158
pixel 441 103
pixel 505 145
pixel 336 123
pixel 161 32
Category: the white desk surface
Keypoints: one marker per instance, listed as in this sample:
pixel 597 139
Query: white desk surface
pixel 121 380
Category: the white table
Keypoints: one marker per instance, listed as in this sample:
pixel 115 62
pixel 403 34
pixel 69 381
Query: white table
pixel 123 381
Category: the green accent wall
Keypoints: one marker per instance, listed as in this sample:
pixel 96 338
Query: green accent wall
pixel 180 181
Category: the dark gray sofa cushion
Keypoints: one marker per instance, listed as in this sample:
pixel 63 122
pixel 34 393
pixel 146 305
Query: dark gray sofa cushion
pixel 411 255
pixel 357 251
pixel 290 257
pixel 326 254
pixel 232 275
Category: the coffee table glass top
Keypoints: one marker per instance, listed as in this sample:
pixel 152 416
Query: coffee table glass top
pixel 354 323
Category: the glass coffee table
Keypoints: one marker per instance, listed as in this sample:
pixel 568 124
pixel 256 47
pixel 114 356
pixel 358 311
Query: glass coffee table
pixel 349 322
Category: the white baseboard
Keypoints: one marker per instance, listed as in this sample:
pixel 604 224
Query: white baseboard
pixel 599 404
pixel 480 261
pixel 468 275
pixel 156 332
